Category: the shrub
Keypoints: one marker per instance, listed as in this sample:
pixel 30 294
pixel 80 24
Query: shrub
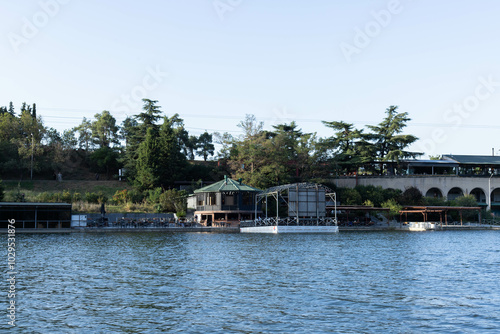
pixel 349 196
pixel 65 197
pixel 120 196
pixel 154 195
pixel 412 196
pixel 173 200
pixel 393 206
pixel 76 197
pixel 135 196
pixel 91 198
pixel 96 198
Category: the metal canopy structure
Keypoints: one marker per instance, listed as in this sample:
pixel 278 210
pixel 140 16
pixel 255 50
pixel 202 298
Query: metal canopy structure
pixel 306 204
pixel 426 210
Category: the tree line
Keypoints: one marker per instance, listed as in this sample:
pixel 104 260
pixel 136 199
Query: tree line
pixel 156 150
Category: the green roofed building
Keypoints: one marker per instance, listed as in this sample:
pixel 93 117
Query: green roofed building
pixel 224 203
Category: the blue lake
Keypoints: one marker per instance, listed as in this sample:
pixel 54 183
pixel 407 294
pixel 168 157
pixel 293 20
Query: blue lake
pixel 351 282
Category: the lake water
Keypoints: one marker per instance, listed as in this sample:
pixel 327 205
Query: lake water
pixel 351 282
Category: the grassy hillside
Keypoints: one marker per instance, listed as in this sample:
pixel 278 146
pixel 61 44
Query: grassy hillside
pixel 37 191
pixel 31 188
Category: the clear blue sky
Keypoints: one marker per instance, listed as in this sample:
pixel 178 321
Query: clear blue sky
pixel 213 61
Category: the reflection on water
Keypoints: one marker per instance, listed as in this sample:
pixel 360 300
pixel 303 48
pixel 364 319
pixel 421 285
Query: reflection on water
pixel 199 283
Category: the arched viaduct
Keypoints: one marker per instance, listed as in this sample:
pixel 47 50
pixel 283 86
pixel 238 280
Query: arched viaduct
pixel 449 187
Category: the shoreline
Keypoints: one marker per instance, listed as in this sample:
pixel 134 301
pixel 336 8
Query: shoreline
pixel 233 229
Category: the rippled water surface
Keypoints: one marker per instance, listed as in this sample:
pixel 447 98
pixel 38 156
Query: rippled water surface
pixel 379 282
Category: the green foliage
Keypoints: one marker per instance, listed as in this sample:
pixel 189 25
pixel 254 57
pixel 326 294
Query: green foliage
pixel 148 161
pixel 465 201
pixel 120 196
pixel 412 196
pixel 173 201
pixel 387 139
pixel 435 201
pixel 205 146
pixel 104 160
pixel 2 191
pixel 76 197
pixel 104 130
pixel 153 195
pixel 263 159
pixel 371 193
pixel 58 197
pixel 394 208
pixel 389 193
pixel 135 196
pixel 350 148
pixel 368 203
pixel 349 196
pixel 84 131
pixel 96 198
pixel 66 197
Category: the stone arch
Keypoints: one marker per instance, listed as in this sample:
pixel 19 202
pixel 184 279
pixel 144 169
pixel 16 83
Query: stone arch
pixel 434 192
pixel 495 197
pixel 479 194
pixel 454 193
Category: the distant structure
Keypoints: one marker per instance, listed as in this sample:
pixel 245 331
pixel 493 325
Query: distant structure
pixel 450 177
pixel 225 203
pixel 35 215
pixel 295 208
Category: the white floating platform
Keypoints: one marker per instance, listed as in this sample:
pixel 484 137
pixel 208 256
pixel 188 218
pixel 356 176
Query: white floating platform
pixel 290 229
pixel 421 227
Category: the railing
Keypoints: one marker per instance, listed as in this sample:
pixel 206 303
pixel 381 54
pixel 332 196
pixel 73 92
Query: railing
pixel 291 221
pixel 491 222
pixel 41 224
pixel 142 223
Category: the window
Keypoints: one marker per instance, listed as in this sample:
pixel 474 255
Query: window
pixel 212 199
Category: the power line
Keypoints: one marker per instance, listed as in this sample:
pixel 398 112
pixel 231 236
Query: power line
pixel 235 117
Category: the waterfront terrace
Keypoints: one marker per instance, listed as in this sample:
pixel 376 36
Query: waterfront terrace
pixel 450 177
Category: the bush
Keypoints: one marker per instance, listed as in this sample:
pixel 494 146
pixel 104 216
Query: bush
pixel 349 196
pixel 2 191
pixel 120 196
pixel 393 206
pixel 173 201
pixel 435 201
pixel 96 198
pixel 76 197
pixel 66 197
pixel 412 196
pixel 371 193
pixel 91 198
pixel 135 196
pixel 154 195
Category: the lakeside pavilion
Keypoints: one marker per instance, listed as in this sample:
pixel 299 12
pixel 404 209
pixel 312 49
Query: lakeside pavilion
pixel 35 215
pixel 224 203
